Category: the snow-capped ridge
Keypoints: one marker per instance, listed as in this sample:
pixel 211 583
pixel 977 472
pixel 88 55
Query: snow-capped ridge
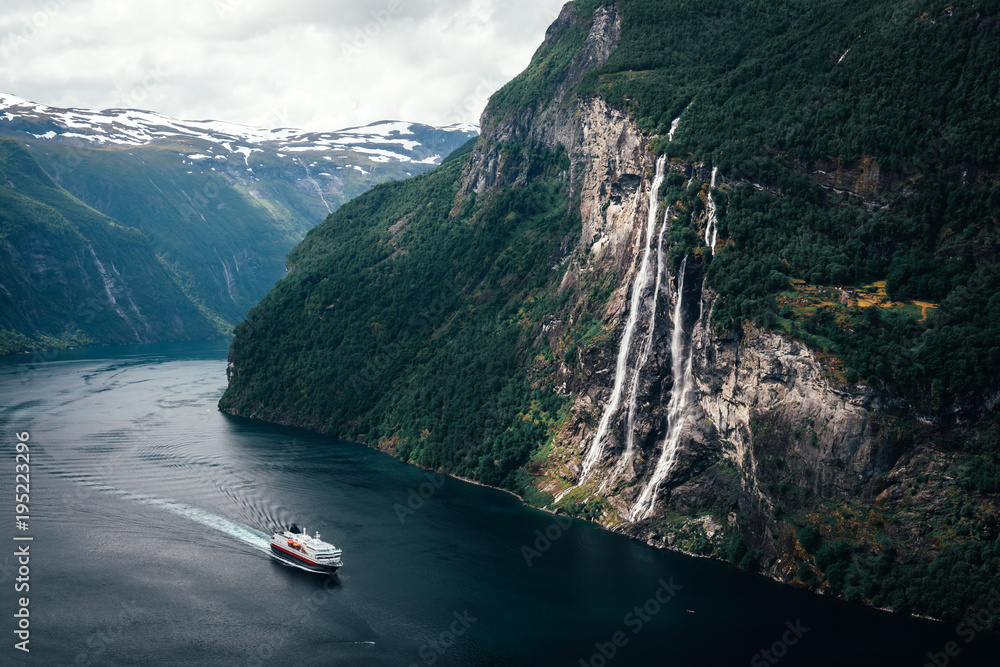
pixel 380 141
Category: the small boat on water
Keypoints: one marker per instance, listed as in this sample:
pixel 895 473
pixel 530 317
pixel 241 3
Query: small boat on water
pixel 300 547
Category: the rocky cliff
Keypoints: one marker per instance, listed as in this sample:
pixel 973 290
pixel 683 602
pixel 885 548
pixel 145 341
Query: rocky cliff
pixel 624 325
pixel 767 431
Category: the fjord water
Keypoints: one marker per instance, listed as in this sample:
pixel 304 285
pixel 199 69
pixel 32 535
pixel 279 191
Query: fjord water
pixel 150 512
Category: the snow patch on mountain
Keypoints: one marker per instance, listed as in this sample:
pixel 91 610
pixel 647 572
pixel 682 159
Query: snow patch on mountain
pixel 382 141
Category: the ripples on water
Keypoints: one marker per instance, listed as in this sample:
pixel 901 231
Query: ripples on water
pixel 152 513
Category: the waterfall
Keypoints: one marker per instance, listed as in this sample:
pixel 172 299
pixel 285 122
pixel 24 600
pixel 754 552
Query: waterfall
pixel 109 289
pixel 316 185
pixel 677 121
pixel 673 127
pixel 621 369
pixel 230 281
pixel 647 348
pixel 711 230
pixel 682 376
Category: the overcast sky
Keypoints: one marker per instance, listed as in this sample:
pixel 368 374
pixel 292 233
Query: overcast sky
pixel 311 64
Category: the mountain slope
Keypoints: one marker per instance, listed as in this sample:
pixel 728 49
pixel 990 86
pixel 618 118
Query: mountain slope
pixel 71 276
pixel 377 303
pixel 300 176
pixel 751 239
pixel 220 204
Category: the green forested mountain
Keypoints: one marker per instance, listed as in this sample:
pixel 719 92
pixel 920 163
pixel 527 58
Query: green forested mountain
pixel 218 205
pixel 223 248
pixel 72 276
pixel 910 90
pixel 399 290
pixel 838 425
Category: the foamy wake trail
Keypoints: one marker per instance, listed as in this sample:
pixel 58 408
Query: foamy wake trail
pixel 241 532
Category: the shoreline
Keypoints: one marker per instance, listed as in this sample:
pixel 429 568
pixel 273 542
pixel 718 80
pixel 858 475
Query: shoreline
pixel 547 510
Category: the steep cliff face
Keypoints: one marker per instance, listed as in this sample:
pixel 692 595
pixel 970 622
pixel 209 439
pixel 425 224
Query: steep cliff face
pixel 676 432
pixel 547 119
pixel 737 379
pixel 587 311
pixel 700 459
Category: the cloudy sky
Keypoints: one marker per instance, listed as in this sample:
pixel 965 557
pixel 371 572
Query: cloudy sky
pixel 311 64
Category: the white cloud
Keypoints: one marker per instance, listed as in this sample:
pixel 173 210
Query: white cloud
pixel 314 64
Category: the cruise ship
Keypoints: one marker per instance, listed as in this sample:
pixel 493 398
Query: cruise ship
pixel 302 548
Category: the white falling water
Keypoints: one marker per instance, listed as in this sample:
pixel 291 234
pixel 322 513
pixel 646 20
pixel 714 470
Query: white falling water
pixel 647 348
pixel 319 188
pixel 681 362
pixel 673 128
pixel 621 369
pixel 711 228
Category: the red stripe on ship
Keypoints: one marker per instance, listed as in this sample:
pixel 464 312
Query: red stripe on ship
pixel 301 557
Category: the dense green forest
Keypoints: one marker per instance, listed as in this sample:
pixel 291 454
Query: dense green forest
pixel 402 319
pixel 801 235
pixel 772 93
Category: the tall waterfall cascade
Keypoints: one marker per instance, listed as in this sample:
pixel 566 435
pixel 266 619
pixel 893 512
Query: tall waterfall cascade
pixel 646 349
pixel 681 360
pixel 673 128
pixel 622 367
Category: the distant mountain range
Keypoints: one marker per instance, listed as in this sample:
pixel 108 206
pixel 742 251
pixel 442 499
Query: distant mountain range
pixel 331 163
pixel 218 206
pixel 383 141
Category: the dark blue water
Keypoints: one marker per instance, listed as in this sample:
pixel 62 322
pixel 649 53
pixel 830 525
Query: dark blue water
pixel 150 512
